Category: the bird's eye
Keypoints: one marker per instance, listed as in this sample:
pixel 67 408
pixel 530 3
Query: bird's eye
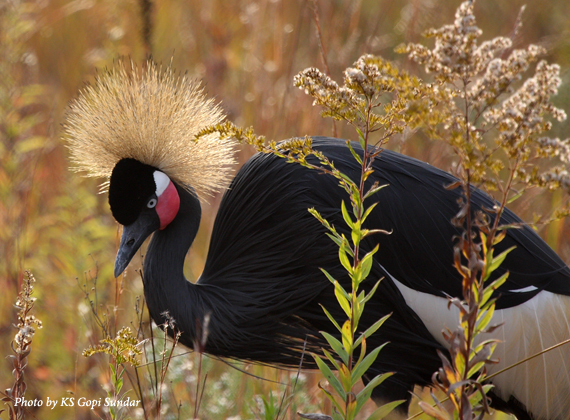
pixel 151 203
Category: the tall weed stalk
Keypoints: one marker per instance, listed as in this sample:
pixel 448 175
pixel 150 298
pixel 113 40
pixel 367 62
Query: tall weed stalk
pixel 375 100
pixel 494 118
pixel 14 396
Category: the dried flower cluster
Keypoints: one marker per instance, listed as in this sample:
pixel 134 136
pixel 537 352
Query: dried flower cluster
pixel 166 354
pixel 294 150
pixel 124 348
pixel 22 345
pixel 26 322
pixel 376 97
pixel 456 53
pixel 361 101
pixel 478 106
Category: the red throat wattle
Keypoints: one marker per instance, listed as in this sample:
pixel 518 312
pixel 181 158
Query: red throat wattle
pixel 168 205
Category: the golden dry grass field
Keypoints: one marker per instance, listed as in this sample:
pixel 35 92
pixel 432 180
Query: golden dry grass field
pixel 54 223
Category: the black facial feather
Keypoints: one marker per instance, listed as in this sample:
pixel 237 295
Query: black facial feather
pixel 132 183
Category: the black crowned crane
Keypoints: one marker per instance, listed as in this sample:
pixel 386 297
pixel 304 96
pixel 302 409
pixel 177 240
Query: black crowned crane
pixel 261 285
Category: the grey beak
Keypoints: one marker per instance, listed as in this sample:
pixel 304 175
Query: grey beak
pixel 133 237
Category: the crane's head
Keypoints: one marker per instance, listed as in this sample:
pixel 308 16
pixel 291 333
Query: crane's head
pixel 137 126
pixel 142 199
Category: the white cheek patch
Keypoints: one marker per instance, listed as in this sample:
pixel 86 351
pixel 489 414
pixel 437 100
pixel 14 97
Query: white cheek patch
pixel 161 180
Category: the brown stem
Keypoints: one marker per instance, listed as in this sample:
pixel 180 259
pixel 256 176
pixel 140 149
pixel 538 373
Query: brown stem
pixel 146 10
pixel 472 304
pixel 322 48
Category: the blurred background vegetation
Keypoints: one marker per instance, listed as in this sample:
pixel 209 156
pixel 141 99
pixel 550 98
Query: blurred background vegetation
pixel 55 223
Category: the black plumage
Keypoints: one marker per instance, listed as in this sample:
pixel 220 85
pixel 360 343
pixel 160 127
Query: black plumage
pixel 132 183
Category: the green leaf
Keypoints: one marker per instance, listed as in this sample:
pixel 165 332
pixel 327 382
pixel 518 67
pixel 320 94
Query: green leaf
pixel 483 319
pixel 347 337
pixel 337 239
pixel 364 395
pixel 361 138
pixel 356 276
pixel 344 259
pixel 367 261
pixel 500 281
pixel 341 290
pixel 118 386
pixel 354 154
pixel 331 359
pixel 491 341
pixel 475 368
pixel 342 299
pixel 333 400
pixel 269 407
pixel 113 373
pixel 351 409
pixel 330 317
pixel 344 377
pixel 316 214
pixel 371 293
pixel 488 291
pixel 347 179
pixel 346 216
pixel 374 190
pixel 460 363
pixel 483 242
pixel 360 302
pixel 333 380
pixel 356 235
pixel 476 397
pixel 516 196
pixel 336 346
pixel 497 261
pixel 326 273
pixel 367 212
pixel 372 329
pixel 362 351
pixel 384 410
pixel 361 368
pixel 355 196
pixel 357 310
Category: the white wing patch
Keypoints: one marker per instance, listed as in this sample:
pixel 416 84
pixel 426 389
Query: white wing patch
pixel 524 289
pixel 543 383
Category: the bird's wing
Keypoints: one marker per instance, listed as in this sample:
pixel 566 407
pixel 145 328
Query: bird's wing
pixel 267 197
pixel 417 209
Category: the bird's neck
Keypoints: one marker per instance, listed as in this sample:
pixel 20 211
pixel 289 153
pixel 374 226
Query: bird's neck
pixel 166 288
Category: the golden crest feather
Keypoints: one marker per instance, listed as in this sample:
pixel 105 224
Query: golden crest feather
pixel 151 115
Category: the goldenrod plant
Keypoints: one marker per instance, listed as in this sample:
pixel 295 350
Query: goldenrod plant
pixel 123 349
pixel 375 99
pixel 362 103
pixel 494 117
